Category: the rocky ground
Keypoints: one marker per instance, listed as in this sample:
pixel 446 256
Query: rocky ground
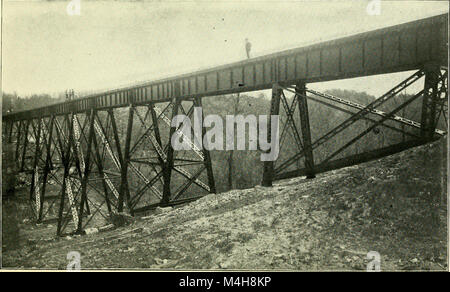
pixel 393 206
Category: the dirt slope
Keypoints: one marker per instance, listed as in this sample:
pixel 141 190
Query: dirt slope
pixel 393 206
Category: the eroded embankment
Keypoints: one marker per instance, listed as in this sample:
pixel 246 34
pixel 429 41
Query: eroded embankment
pixel 393 206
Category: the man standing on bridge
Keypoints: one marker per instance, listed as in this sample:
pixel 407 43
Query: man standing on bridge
pixel 70 94
pixel 248 47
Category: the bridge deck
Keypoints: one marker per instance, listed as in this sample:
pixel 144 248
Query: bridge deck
pixel 393 49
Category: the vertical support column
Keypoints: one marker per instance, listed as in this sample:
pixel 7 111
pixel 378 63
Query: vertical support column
pixel 37 155
pixel 66 163
pixel 157 134
pixel 5 131
pixel 18 138
pixel 25 144
pixel 99 163
pixel 430 100
pixel 9 166
pixel 46 168
pixel 274 110
pixel 77 155
pixel 169 163
pixel 9 131
pixel 61 202
pixel 119 153
pixel 116 135
pixel 86 170
pixel 124 189
pixel 206 154
pixel 306 129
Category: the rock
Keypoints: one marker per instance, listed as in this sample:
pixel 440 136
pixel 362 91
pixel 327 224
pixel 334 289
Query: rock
pixel 161 210
pixel 161 261
pixel 224 265
pixel 303 249
pixel 91 230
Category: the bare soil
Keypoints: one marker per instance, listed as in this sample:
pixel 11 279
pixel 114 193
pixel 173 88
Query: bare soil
pixel 394 206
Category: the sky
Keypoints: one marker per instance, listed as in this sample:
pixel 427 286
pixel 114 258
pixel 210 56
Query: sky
pixel 113 43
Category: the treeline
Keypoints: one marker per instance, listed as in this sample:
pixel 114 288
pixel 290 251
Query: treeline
pixel 14 103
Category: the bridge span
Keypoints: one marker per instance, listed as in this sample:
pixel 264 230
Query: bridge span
pixel 83 168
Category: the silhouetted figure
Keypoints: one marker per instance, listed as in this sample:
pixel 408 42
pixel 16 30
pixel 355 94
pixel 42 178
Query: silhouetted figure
pixel 248 47
pixel 70 94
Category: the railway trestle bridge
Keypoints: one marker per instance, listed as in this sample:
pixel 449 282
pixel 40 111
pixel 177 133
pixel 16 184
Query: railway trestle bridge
pixel 83 165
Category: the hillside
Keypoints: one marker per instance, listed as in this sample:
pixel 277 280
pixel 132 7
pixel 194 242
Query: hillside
pixel 393 206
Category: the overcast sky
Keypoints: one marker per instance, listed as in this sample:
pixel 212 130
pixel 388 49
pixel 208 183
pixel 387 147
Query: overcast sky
pixel 112 44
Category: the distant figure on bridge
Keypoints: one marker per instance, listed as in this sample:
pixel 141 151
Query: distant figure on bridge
pixel 70 94
pixel 248 47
